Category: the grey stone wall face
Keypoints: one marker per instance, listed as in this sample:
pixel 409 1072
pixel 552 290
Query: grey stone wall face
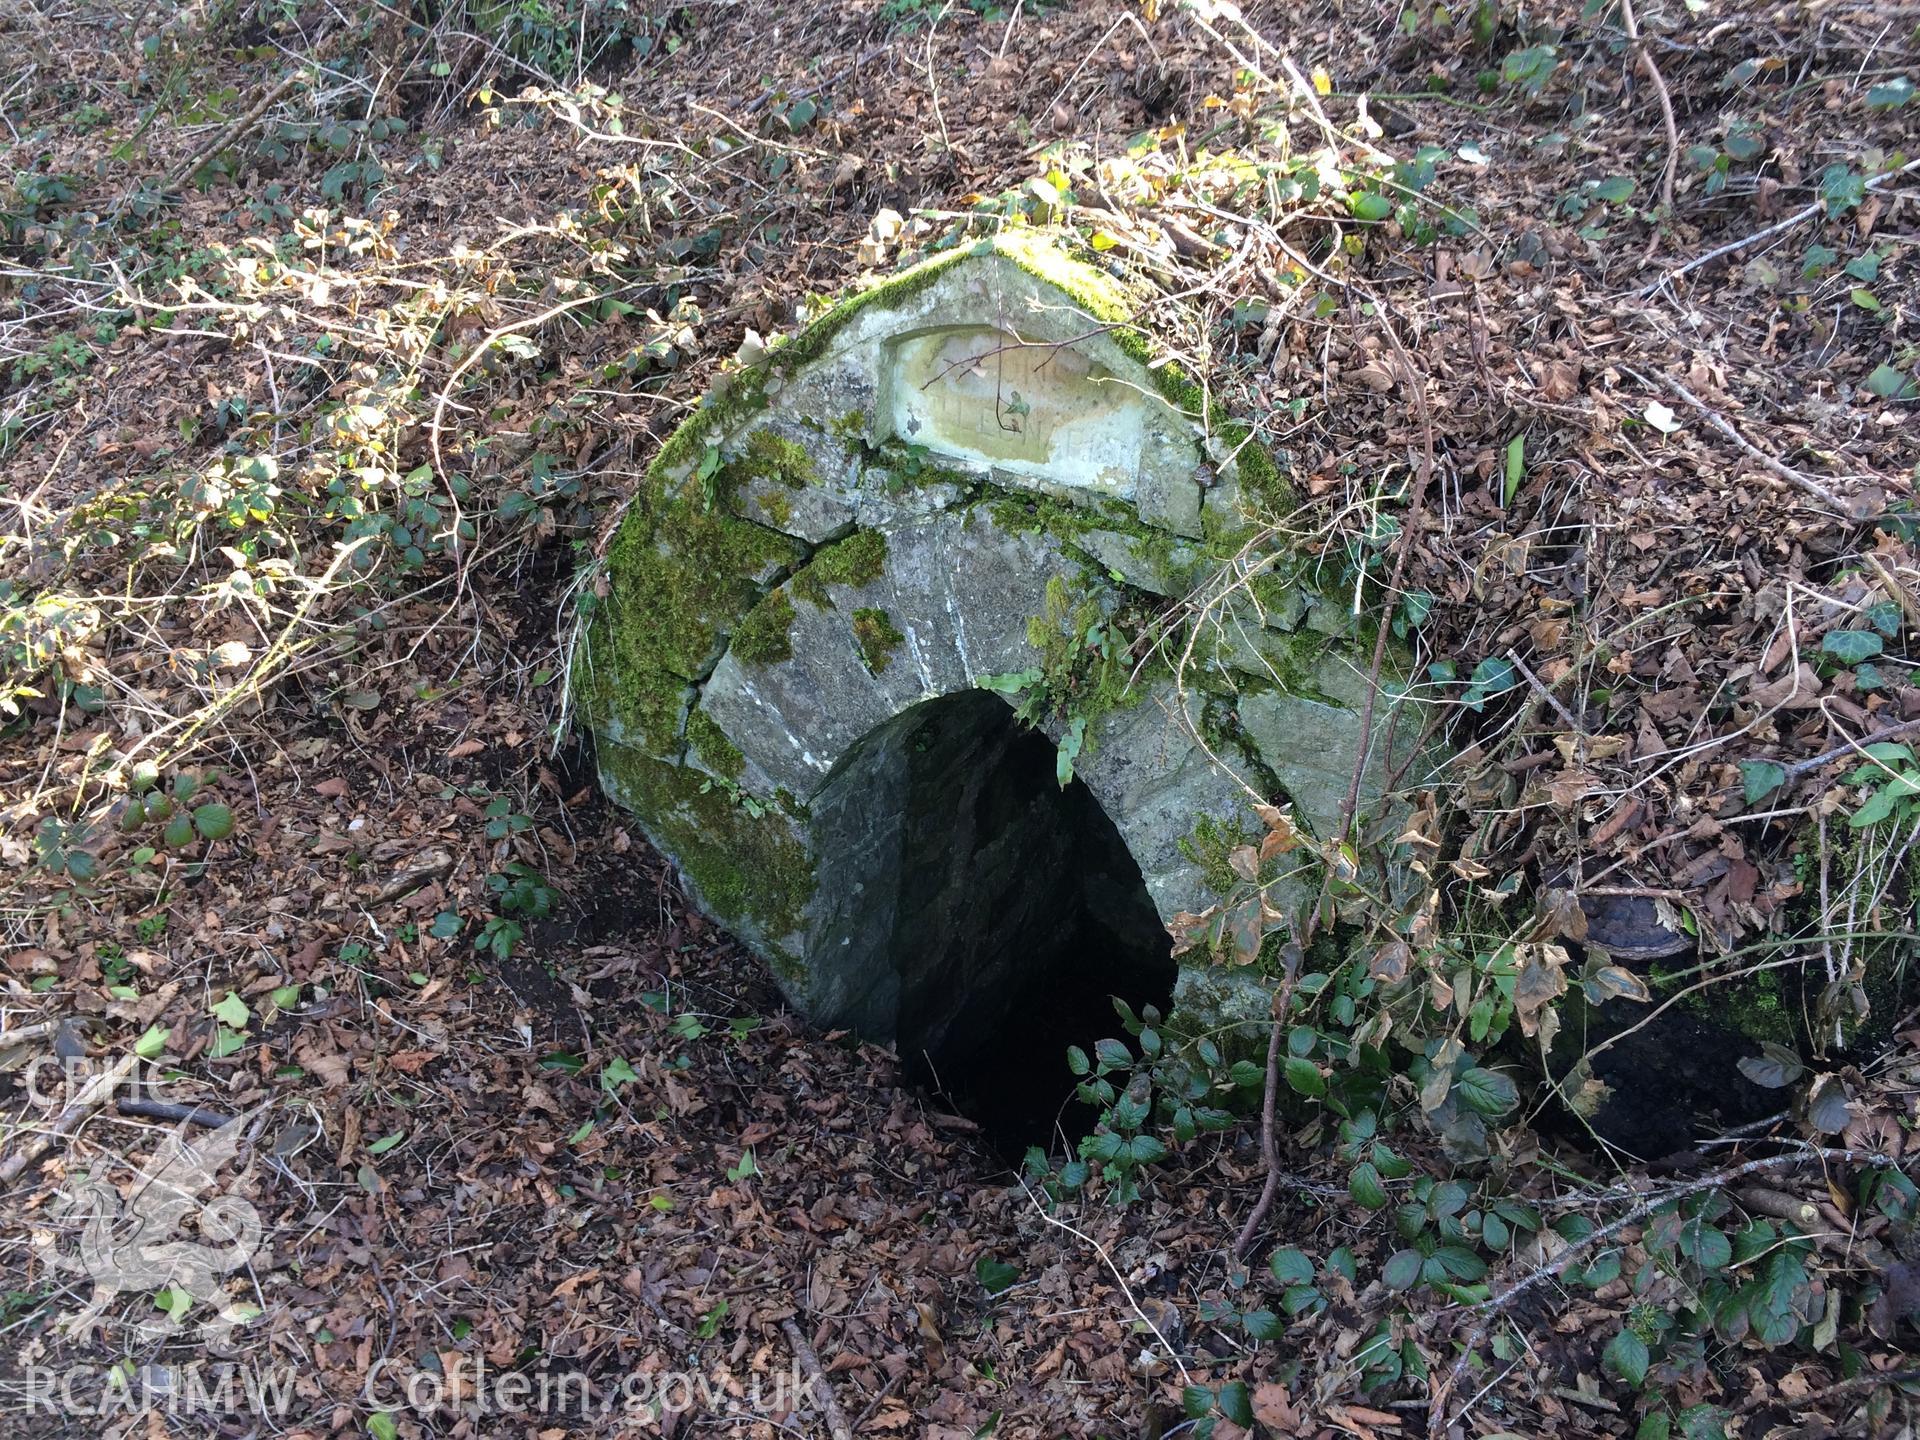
pixel 928 417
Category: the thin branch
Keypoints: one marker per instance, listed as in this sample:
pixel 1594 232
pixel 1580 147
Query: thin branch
pixel 184 171
pixel 1269 1133
pixel 1437 1418
pixel 817 1379
pixel 1798 217
pixel 1814 762
pixel 1118 1278
pixel 1810 1404
pixel 1350 804
pixel 1666 103
pixel 1845 510
pixel 92 1094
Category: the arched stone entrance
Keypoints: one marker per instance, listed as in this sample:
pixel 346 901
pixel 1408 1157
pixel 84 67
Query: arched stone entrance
pixel 969 475
pixel 977 911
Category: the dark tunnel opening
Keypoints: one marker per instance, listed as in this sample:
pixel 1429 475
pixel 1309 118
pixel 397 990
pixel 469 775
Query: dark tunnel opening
pixel 996 912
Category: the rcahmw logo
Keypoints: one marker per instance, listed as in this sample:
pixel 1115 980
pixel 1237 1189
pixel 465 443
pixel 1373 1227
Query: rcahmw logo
pixel 195 1389
pixel 137 1245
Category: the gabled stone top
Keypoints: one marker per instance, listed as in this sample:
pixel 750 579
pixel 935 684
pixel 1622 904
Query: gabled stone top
pixel 974 469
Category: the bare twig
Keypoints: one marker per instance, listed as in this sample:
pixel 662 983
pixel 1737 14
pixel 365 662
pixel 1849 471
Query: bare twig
pixel 817 1380
pixel 171 1111
pixel 1810 1404
pixel 182 172
pixel 1794 477
pixel 1416 513
pixel 933 84
pixel 1799 217
pixel 1269 1139
pixel 1814 762
pixel 92 1094
pixel 1118 1279
pixel 1666 102
pixel 1540 689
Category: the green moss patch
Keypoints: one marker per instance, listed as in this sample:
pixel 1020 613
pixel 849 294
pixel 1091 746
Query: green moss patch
pixel 877 636
pixel 682 577
pixel 710 743
pixel 767 456
pixel 750 870
pixel 763 636
pixel 1208 846
pixel 855 562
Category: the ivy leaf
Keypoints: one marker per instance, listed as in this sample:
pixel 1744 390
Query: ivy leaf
pixel 1530 68
pixel 232 1012
pixel 1890 94
pixel 1889 383
pixel 1760 778
pixel 1842 189
pixel 1865 266
pixel 1878 807
pixel 994 1274
pixel 1850 647
pixel 1626 1357
pixel 617 1073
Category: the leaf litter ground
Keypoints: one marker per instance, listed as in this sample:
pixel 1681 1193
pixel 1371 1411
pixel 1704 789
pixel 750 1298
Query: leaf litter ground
pixel 609 1152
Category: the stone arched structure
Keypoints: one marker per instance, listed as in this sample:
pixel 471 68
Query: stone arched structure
pixel 970 473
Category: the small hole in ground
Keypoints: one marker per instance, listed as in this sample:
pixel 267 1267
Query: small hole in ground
pixel 1011 910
